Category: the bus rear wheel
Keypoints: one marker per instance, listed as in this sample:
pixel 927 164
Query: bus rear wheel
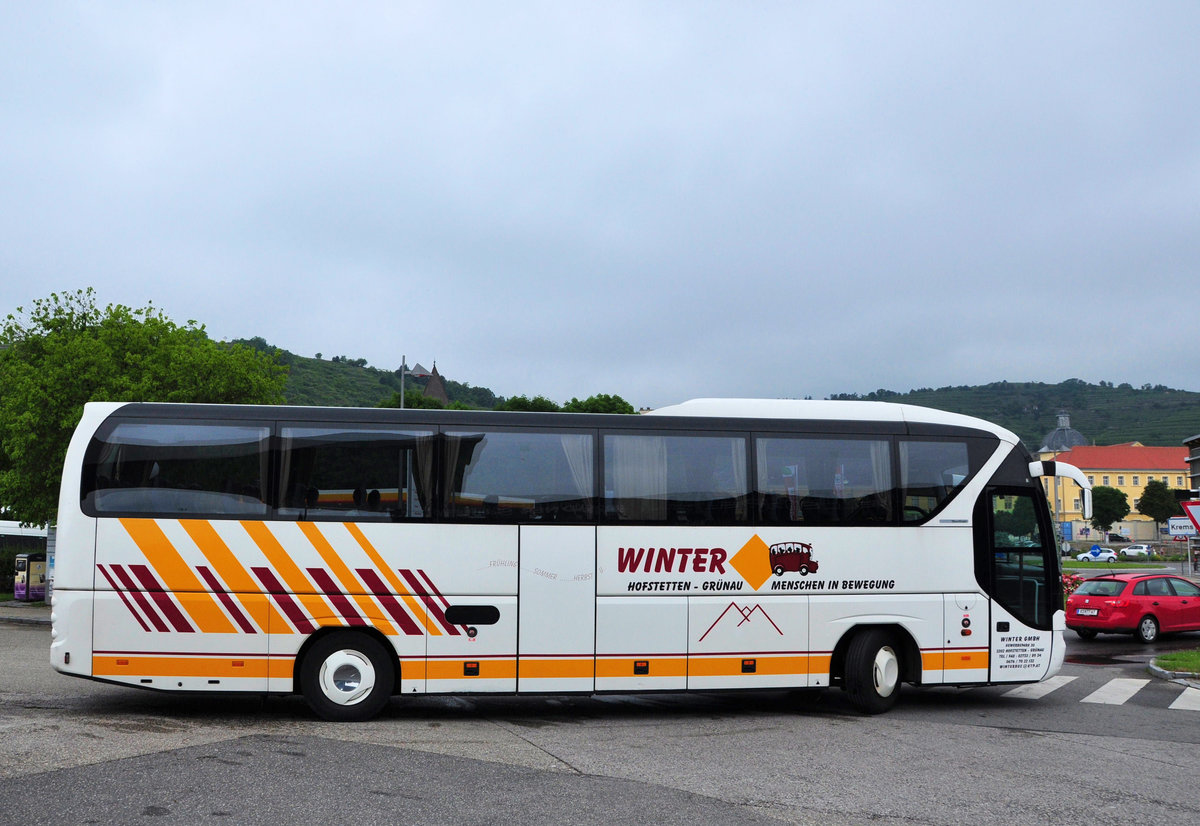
pixel 347 676
pixel 872 675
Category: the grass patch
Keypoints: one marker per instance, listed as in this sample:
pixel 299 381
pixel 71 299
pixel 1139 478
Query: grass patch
pixel 1188 661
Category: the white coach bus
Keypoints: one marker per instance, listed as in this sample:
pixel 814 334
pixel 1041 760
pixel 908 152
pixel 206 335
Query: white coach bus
pixel 351 555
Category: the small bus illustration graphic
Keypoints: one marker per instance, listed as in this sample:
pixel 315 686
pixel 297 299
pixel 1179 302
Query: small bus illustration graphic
pixel 795 557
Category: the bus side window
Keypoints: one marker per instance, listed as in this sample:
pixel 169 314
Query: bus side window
pixel 933 471
pixel 368 475
pixel 675 479
pixel 824 481
pixel 518 476
pixel 177 469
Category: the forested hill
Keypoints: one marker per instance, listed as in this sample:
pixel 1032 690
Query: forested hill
pixel 344 382
pixel 1103 413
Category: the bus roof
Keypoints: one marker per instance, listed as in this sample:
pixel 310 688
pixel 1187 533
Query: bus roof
pixel 770 414
pixel 813 409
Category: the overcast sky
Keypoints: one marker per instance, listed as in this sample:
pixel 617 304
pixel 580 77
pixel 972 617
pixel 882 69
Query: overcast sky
pixel 659 200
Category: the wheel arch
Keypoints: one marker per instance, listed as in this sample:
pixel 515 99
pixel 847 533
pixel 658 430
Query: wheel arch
pixel 331 630
pixel 906 647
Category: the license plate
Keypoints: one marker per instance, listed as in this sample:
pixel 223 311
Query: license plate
pixel 1087 612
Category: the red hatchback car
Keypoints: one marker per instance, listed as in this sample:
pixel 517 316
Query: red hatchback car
pixel 1142 604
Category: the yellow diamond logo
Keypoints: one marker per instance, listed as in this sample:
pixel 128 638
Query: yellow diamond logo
pixel 753 562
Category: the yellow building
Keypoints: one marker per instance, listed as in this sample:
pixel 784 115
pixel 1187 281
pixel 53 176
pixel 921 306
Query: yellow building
pixel 1128 468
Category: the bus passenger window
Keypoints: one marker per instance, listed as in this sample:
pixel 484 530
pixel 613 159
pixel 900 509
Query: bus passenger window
pixel 517 476
pixel 824 481
pixel 675 479
pixel 355 475
pixel 177 469
pixel 933 471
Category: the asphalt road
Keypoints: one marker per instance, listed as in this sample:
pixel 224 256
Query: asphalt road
pixel 74 751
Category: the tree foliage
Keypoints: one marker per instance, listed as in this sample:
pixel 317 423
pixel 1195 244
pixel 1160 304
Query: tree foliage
pixel 65 351
pixel 1159 502
pixel 1109 506
pixel 538 404
pixel 600 403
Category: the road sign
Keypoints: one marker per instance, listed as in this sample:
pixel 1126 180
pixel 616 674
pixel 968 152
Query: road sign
pixel 1192 509
pixel 1180 527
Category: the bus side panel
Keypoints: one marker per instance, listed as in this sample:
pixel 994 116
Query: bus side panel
pixel 440 571
pixel 160 624
pixel 557 643
pixel 641 643
pixel 71 634
pixel 749 642
pixel 920 615
pixel 966 656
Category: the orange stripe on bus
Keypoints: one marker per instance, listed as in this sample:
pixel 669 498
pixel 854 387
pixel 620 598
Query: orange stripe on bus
pixel 412 602
pixel 177 576
pixel 658 666
pixel 212 667
pixel 966 659
pixel 286 567
pixel 371 611
pixel 557 668
pixel 500 669
pixel 241 584
pixel 732 666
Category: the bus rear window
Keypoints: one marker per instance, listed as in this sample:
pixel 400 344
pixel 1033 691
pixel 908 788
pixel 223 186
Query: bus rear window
pixel 177 469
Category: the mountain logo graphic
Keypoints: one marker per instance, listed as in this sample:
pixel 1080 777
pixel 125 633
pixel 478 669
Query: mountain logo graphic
pixel 742 614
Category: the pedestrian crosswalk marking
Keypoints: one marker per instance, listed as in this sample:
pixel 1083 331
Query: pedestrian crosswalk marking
pixel 1189 700
pixel 1035 691
pixel 1115 691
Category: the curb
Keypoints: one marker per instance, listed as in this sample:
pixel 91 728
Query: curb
pixel 1183 677
pixel 24 620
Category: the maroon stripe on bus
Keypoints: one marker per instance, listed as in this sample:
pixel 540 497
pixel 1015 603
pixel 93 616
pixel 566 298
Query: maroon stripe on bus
pixel 162 599
pixel 430 603
pixel 327 585
pixel 284 600
pixel 140 598
pixel 371 578
pixel 124 599
pixel 226 600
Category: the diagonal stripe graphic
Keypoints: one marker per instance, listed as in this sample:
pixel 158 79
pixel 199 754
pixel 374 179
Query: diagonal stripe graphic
pixel 176 575
pixel 162 599
pixel 342 571
pixel 235 575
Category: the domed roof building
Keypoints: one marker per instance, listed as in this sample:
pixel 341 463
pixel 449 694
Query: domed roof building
pixel 1063 437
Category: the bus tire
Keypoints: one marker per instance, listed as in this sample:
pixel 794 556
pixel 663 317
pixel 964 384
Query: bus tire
pixel 347 677
pixel 872 671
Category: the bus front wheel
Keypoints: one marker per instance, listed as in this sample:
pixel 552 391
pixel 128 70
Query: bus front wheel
pixel 346 676
pixel 872 676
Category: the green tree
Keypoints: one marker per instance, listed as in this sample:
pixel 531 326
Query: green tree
pixel 1159 502
pixel 600 403
pixel 1109 506
pixel 64 351
pixel 538 404
pixel 416 400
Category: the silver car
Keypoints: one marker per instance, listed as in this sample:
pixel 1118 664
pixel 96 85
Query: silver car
pixel 1098 554
pixel 1137 551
